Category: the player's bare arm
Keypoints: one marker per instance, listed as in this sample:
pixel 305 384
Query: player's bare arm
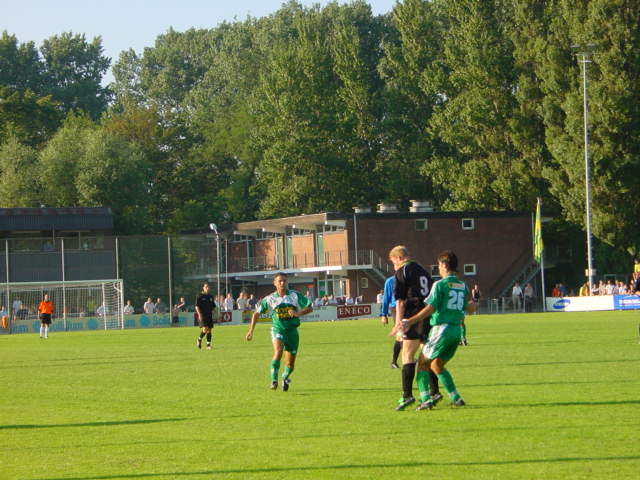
pixel 471 307
pixel 421 315
pixel 299 313
pixel 252 326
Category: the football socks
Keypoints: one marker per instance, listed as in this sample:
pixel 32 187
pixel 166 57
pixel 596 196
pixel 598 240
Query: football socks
pixel 275 368
pixel 422 379
pixel 447 380
pixel 397 347
pixel 408 372
pixel 287 372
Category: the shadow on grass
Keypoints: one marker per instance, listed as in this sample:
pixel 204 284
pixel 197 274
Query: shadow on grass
pixel 351 467
pixel 92 424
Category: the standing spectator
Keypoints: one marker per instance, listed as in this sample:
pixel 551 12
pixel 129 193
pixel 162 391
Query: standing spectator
pixel 516 297
pixel 17 307
pixel 475 296
pixel 608 288
pixel 562 288
pixel 182 305
pixel 252 302
pixel 228 303
pixel 528 297
pixel 205 305
pixel 348 300
pixel 636 266
pixel 556 291
pixel 128 308
pixel 379 297
pixel 149 307
pixel 622 288
pixel 160 307
pixel 635 289
pixel 242 302
pixel 45 311
pixel 584 290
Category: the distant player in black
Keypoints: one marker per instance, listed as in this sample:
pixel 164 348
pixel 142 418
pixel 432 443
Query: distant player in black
pixel 412 286
pixel 205 306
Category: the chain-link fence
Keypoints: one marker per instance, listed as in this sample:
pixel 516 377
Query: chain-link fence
pixel 156 266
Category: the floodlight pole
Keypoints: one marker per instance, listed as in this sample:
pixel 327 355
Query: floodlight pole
pixel 583 53
pixel 214 228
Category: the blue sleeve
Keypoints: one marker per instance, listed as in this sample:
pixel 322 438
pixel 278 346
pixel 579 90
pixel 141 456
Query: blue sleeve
pixel 387 297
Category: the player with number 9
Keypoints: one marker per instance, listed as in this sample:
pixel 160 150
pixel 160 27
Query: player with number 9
pixel 412 285
pixel 447 303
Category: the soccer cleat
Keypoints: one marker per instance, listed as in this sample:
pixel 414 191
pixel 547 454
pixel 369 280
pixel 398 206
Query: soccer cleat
pixel 274 385
pixel 435 398
pixel 199 342
pixel 458 403
pixel 404 403
pixel 208 346
pixel 285 384
pixel 394 365
pixel 428 405
pixel 464 342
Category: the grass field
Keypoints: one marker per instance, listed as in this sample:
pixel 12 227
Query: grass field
pixel 550 396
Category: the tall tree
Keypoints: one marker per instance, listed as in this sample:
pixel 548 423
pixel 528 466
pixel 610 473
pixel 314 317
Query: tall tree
pixel 614 115
pixel 73 71
pixel 20 180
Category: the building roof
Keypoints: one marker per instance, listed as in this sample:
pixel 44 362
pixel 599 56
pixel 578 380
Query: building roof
pixel 313 221
pixel 46 219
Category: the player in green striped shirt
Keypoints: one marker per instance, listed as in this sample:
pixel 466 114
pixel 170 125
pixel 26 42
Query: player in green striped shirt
pixel 447 303
pixel 286 307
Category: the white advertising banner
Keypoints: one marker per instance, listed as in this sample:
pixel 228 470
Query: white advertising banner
pixel 579 304
pixel 319 314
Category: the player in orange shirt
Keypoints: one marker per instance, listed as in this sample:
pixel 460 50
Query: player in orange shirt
pixel 45 310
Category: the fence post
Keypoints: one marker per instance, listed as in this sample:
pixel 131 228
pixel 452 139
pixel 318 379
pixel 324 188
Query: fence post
pixel 64 290
pixel 9 306
pixel 169 271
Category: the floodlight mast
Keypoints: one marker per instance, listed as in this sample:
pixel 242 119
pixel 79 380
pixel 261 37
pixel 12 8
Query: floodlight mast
pixel 583 52
pixel 214 228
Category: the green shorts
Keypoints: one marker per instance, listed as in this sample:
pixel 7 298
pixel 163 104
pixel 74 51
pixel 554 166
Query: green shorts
pixel 290 338
pixel 443 342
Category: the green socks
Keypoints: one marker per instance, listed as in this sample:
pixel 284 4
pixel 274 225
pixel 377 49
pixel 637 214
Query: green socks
pixel 422 379
pixel 447 380
pixel 275 368
pixel 287 373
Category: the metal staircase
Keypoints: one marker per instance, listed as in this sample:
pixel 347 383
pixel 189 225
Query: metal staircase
pixel 523 277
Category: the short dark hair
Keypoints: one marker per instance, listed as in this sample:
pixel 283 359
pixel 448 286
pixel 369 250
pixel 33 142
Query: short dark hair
pixel 280 274
pixel 449 259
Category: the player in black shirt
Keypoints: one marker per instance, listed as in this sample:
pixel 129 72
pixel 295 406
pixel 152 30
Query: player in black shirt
pixel 412 286
pixel 205 306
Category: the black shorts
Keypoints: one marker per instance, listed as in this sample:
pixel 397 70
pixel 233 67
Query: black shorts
pixel 45 318
pixel 206 322
pixel 418 331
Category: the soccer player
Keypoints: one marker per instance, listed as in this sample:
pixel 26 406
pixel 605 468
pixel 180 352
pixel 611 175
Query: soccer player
pixel 286 307
pixel 389 309
pixel 45 310
pixel 447 304
pixel 205 306
pixel 412 285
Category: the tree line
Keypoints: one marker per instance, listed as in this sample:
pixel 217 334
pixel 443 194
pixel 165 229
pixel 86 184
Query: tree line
pixel 475 105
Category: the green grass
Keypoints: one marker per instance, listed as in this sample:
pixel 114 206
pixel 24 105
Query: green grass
pixel 552 396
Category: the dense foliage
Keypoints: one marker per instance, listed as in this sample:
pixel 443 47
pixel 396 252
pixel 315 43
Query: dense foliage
pixel 474 105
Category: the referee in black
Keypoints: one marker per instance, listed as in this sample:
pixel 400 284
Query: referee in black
pixel 205 305
pixel 412 286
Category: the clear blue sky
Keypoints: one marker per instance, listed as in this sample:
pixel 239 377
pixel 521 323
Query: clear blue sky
pixel 133 23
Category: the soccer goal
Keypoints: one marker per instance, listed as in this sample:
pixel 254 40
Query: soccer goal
pixel 102 299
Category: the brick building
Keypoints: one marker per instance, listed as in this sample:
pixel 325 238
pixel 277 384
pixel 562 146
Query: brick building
pixel 339 253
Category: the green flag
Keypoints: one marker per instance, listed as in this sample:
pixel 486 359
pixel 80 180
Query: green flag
pixel 538 246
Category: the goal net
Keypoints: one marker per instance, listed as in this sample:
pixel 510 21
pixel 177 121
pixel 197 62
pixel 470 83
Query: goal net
pixel 102 299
